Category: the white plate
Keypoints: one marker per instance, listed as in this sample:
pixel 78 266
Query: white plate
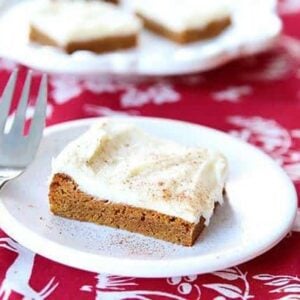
pixel 155 56
pixel 260 211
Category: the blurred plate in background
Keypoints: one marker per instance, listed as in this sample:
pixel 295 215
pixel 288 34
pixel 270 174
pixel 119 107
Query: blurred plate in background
pixel 155 55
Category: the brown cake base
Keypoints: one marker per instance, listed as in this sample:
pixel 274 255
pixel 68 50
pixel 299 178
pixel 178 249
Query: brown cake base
pixel 113 1
pixel 107 44
pixel 191 35
pixel 66 200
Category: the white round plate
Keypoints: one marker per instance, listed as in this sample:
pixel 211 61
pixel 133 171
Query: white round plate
pixel 259 212
pixel 155 55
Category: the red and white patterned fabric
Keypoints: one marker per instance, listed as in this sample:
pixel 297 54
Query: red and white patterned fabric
pixel 256 99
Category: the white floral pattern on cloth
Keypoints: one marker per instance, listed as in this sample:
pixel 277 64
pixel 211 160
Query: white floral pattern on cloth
pixel 18 275
pixel 278 66
pixel 231 283
pixel 66 88
pixel 229 290
pixel 284 284
pixel 236 286
pixel 272 138
pixel 99 110
pixel 158 93
pixel 115 288
pixel 232 94
pixel 185 285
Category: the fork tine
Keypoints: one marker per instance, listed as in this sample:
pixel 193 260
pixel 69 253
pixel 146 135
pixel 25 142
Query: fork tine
pixel 6 99
pixel 20 116
pixel 38 121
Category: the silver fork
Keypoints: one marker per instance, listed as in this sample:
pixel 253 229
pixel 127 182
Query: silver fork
pixel 17 151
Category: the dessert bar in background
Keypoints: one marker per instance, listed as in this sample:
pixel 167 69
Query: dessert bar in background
pixel 184 21
pixel 117 175
pixel 93 25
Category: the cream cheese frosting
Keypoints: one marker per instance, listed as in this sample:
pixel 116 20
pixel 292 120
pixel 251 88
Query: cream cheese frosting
pixel 67 21
pixel 119 162
pixel 179 15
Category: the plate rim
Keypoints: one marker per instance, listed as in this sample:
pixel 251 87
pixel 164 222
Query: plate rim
pixel 119 265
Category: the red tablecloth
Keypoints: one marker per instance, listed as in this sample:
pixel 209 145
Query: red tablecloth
pixel 256 99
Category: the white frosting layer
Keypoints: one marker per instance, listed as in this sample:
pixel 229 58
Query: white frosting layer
pixel 121 163
pixel 179 15
pixel 67 21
